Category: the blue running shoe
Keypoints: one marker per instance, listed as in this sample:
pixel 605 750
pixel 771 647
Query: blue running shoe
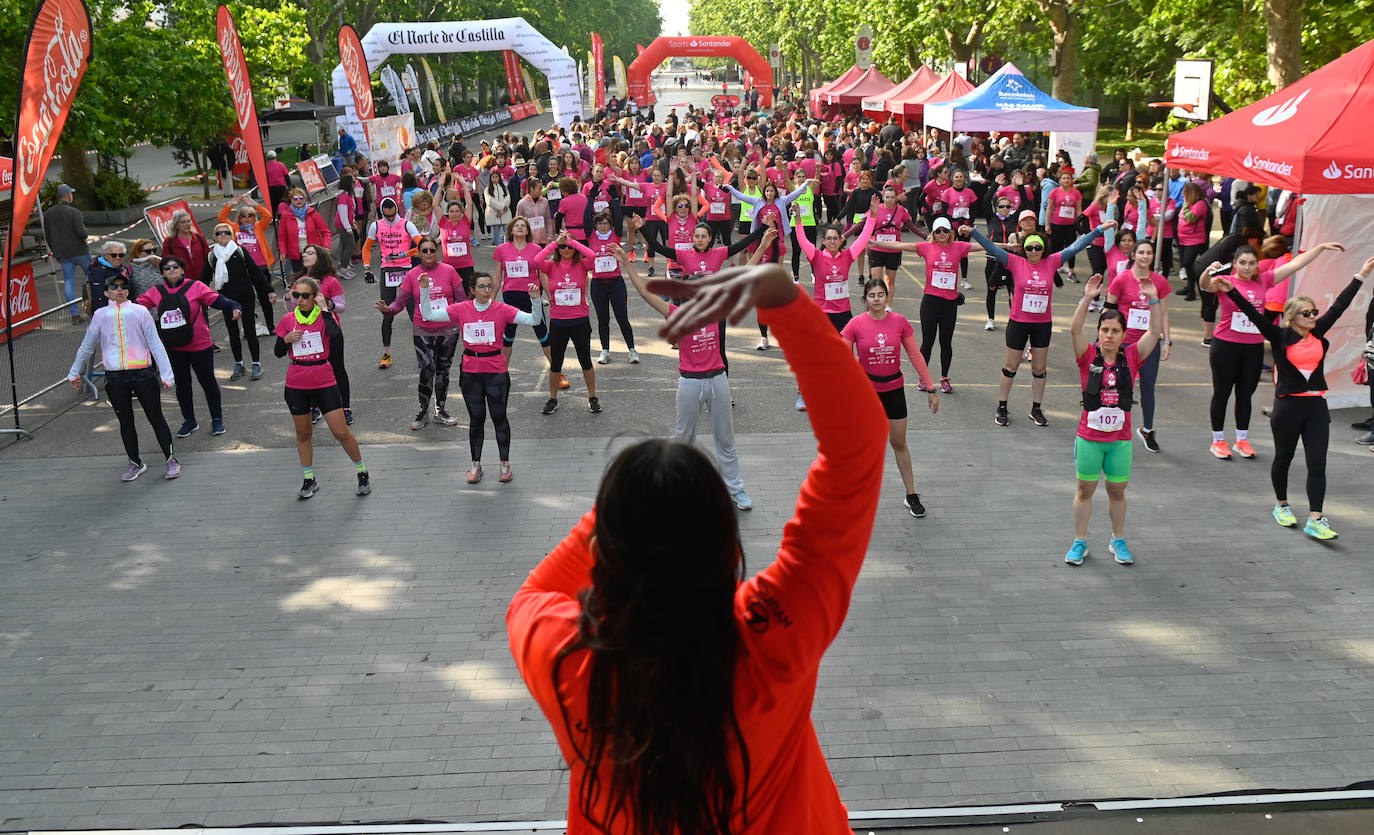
pixel 1076 553
pixel 1120 550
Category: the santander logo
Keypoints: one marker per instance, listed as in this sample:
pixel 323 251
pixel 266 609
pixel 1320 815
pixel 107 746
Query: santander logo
pixel 1335 171
pixel 1332 172
pixel 1270 165
pixel 1279 113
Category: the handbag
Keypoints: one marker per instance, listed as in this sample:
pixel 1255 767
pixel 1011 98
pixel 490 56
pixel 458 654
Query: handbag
pixel 1360 374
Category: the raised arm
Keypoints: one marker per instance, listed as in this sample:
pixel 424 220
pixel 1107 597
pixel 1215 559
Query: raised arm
pixel 1302 259
pixel 631 273
pixel 860 243
pixel 992 249
pixel 752 238
pixel 1094 288
pixel 1344 299
pixel 1085 239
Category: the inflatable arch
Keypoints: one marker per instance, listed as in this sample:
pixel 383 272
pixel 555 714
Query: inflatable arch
pixel 425 37
pixel 696 47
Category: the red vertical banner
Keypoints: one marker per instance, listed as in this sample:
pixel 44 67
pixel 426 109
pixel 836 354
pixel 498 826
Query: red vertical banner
pixel 355 69
pixel 22 304
pixel 241 88
pixel 520 90
pixel 56 55
pixel 599 59
pixel 512 72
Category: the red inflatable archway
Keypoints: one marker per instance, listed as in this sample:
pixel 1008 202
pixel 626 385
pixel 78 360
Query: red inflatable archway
pixel 728 46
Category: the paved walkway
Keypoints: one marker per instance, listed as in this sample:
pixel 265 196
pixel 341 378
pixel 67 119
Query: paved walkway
pixel 212 652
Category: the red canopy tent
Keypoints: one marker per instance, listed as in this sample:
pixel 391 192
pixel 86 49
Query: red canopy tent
pixel 857 90
pixel 843 81
pixel 919 80
pixel 952 86
pixel 1311 137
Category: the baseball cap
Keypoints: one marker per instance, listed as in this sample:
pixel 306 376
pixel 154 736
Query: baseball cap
pixel 1026 213
pixel 63 190
pixel 940 223
pixel 271 154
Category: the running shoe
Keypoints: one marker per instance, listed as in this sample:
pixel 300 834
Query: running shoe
pixel 1026 355
pixel 742 501
pixel 348 417
pixel 364 483
pixel 315 414
pixel 966 285
pixel 173 469
pixel 801 403
pixel 594 405
pixel 442 416
pixel 421 418
pixel 474 473
pixel 385 361
pixel 563 381
pixel 238 373
pixel 1077 552
pixel 308 488
pixel 651 269
pixel 1221 450
pixel 1038 417
pixel 913 504
pixel 1095 305
pixel 257 371
pixel 133 471
pixel 1319 529
pixel 945 386
pixel 1244 450
pixel 215 347
pixel 506 474
pixel 1207 342
pixel 1148 439
pixel 1366 440
pixel 990 325
pixel 217 426
pixel 604 358
pixel 1367 424
pixel 1119 549
pixel 1283 514
pixel 921 386
pixel 187 428
pixel 1001 418
pixel 634 357
pixel 550 406
pixel 763 344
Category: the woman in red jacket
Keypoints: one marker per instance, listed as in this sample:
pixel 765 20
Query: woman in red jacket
pixel 681 696
pixel 298 226
pixel 186 245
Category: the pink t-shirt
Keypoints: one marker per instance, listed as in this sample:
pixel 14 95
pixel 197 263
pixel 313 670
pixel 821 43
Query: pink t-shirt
pixel 699 351
pixel 1154 210
pixel 1125 287
pixel 695 262
pixel 599 194
pixel 830 272
pixel 456 246
pixel 1064 205
pixel 604 263
pixel 1094 215
pixel 1116 262
pixel 1110 423
pixel 1012 195
pixel 1232 323
pixel 314 346
pixel 934 192
pixel 888 228
pixel 631 199
pixel 388 186
pixel 717 202
pixel 445 288
pixel 878 343
pixel 567 281
pixel 1034 291
pixel 344 210
pixel 331 289
pixel 959 203
pixel 573 208
pixel 247 239
pixel 198 297
pixel 1191 234
pixel 516 266
pixel 680 232
pixel 481 332
pixel 942 266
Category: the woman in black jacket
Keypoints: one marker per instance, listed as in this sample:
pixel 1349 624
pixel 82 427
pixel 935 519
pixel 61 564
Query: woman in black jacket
pixel 1300 413
pixel 234 274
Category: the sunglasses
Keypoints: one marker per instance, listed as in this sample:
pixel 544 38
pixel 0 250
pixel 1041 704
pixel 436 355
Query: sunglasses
pixel 166 267
pixel 1004 205
pixel 1311 314
pixel 223 234
pixel 146 251
pixel 428 250
pixel 1035 249
pixel 123 288
pixel 115 255
pixel 296 295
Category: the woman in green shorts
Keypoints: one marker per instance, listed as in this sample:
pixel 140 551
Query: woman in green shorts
pixel 1103 445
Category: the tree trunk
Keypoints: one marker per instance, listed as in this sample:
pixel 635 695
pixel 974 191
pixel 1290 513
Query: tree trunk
pixel 76 172
pixel 1130 120
pixel 1064 55
pixel 1283 41
pixel 962 49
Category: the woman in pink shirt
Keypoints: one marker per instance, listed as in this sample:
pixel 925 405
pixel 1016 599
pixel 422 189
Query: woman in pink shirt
pixel 535 209
pixel 878 336
pixel 1192 235
pixel 515 268
pixel 1126 292
pixel 565 278
pixel 941 300
pixel 455 236
pixel 1066 204
pixel 485 377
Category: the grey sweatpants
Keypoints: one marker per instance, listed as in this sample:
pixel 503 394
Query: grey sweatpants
pixel 714 394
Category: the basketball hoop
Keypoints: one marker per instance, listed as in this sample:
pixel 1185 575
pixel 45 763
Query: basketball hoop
pixel 1181 105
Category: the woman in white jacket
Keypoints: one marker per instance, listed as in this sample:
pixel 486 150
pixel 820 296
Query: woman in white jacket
pixel 497 209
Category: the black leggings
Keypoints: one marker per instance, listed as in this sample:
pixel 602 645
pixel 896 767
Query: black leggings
pixel 1304 418
pixel 579 331
pixel 250 333
pixel 997 277
pixel 122 387
pixel 522 301
pixel 1188 254
pixel 1061 235
pixel 832 206
pixel 202 363
pixel 724 231
pixel 434 355
pixel 1097 260
pixel 484 394
pixel 336 362
pixel 610 293
pixel 1235 365
pixel 810 232
pixel 938 314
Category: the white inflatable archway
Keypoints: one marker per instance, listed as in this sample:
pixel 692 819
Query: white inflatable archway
pixel 425 37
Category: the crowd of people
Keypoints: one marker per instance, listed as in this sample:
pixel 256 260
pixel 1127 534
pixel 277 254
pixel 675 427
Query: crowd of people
pixel 571 213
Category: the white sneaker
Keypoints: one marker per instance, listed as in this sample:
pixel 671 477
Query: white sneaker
pixel 990 326
pixel 966 285
pixel 801 403
pixel 262 330
pixel 634 357
pixel 604 358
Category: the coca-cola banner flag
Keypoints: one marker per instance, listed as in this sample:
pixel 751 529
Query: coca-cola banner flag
pixel 355 69
pixel 6 173
pixel 241 88
pixel 311 176
pixel 55 59
pixel 18 313
pixel 512 84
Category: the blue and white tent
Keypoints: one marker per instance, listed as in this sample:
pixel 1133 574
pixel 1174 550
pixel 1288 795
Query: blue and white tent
pixel 1007 102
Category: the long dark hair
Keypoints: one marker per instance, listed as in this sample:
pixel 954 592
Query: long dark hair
pixel 659 624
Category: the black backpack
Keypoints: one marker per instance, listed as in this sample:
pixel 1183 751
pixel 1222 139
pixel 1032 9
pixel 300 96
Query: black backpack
pixel 177 335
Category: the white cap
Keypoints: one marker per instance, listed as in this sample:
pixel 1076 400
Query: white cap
pixel 940 223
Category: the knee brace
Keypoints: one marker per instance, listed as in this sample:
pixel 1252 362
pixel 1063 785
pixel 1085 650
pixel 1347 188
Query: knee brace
pixel 1042 375
pixel 1008 374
